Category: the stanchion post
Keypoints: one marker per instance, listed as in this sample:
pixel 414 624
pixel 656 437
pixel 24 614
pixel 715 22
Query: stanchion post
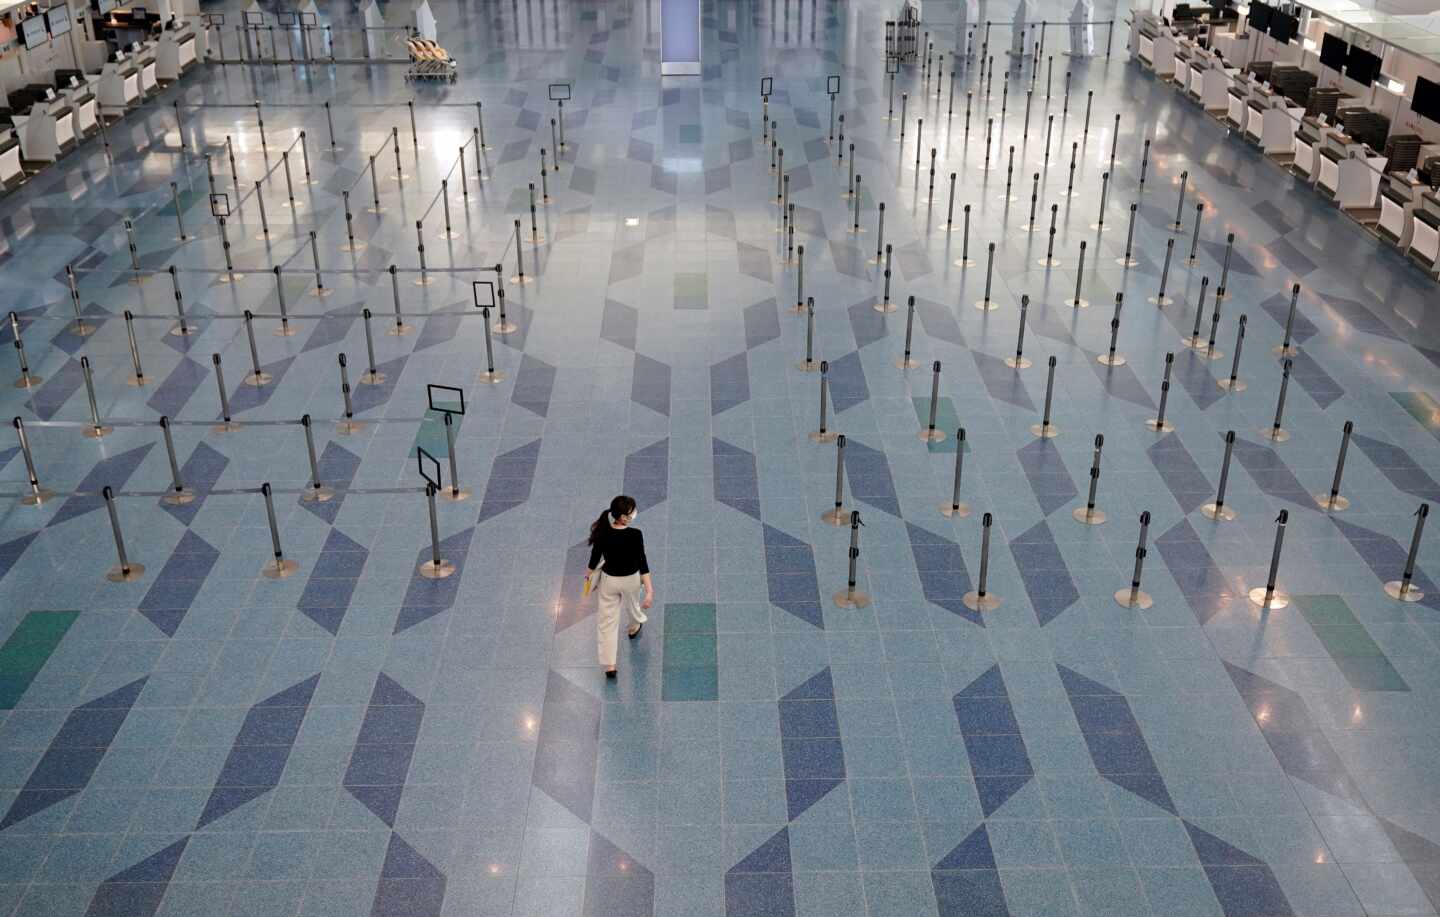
pixel 126 570
pixel 1127 260
pixel 1045 429
pixel 137 378
pixel 436 567
pixel 800 282
pixel 1160 299
pixel 27 378
pixel 931 434
pixel 838 515
pixel 1286 348
pixel 905 361
pixel 279 567
pixel 96 430
pixel 956 508
pixel 1158 423
pixel 400 328
pixel 1277 433
pixel 850 597
pixel 824 434
pixel 315 491
pixel 987 304
pixel 1220 291
pixel 1077 302
pixel 1088 514
pixel 1110 357
pixel 179 216
pixel 1131 596
pixel 1235 383
pixel 1195 236
pixel 372 375
pixel 226 425
pixel 179 494
pixel 1270 596
pixel 491 375
pixel 809 365
pixel 1403 589
pixel 349 425
pixel 1333 501
pixel 981 599
pixel 1020 361
pixel 38 494
pixel 319 290
pixel 80 329
pixel 1216 509
pixel 1180 205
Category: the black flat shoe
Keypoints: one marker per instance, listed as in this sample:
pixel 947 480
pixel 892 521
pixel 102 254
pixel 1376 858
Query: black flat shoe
pixel 609 673
pixel 636 632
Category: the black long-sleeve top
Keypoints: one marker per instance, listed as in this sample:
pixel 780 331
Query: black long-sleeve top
pixel 623 550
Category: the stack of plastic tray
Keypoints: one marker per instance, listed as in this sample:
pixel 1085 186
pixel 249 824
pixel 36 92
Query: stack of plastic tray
pixel 1369 127
pixel 1322 102
pixel 1402 152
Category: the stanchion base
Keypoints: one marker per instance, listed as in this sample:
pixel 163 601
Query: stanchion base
pixel 1048 262
pixel 1281 351
pixel 355 247
pixel 137 381
pixel 28 380
pixel 36 498
pixel 1405 592
pixel 398 330
pixel 1006 198
pixel 257 379
pixel 285 330
pixel 1176 227
pixel 797 309
pixel 231 278
pixel 1077 303
pixel 1194 342
pixel 181 331
pixel 422 281
pixel 932 436
pixel 1336 504
pixel 977 602
pixel 1210 353
pixel 182 497
pixel 964 262
pixel 1018 362
pixel 855 230
pixel 1087 516
pixel 1276 435
pixel 432 570
pixel 292 205
pixel 491 378
pixel 321 292
pixel 1278 599
pixel 906 363
pixel 884 306
pixel 506 327
pixel 130 574
pixel 1232 385
pixel 94 432
pixel 401 177
pixel 1100 227
pixel 455 494
pixel 1044 430
pixel 1218 513
pixel 317 495
pixel 371 378
pixel 839 516
pixel 1126 262
pixel 1133 598
pixel 537 238
pixel 823 436
pixel 1030 227
pixel 848 599
pixel 1106 359
pixel 279 569
pixel 987 305
pixel 1159 426
pixel 808 366
pixel 225 426
pixel 1222 294
pixel 347 427
pixel 1160 301
pixel 521 280
pixel 955 511
pixel 448 234
pixel 80 329
pixel 1190 262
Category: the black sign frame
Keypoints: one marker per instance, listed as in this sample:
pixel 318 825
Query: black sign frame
pixel 430 390
pixel 489 285
pixel 767 86
pixel 220 197
pixel 832 84
pixel 564 87
pixel 420 456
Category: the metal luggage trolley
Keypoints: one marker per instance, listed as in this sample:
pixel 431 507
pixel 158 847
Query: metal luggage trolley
pixel 429 61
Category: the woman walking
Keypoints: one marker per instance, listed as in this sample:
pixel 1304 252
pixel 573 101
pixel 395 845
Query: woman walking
pixel 621 548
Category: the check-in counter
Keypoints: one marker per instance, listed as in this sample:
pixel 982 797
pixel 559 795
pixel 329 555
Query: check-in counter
pixel 1399 198
pixel 1309 140
pixel 1236 102
pixel 46 132
pixel 1359 185
pixel 1162 55
pixel 119 85
pixel 87 110
pixel 175 53
pixel 11 172
pixel 1425 234
pixel 149 75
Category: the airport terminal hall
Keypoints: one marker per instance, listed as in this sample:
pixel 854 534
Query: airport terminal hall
pixel 719 458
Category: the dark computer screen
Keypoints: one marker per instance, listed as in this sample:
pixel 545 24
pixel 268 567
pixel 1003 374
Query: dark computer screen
pixel 1361 66
pixel 1259 17
pixel 1332 52
pixel 1283 26
pixel 1426 102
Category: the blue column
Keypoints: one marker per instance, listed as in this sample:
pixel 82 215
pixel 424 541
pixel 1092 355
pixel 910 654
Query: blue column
pixel 680 37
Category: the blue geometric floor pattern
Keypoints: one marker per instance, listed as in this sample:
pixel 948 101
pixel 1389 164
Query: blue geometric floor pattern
pixel 311 687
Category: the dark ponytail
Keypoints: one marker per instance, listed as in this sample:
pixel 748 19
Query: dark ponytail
pixel 620 506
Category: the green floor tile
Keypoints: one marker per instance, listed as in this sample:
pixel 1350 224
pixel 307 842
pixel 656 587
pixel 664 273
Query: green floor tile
pixel 1347 640
pixel 1321 610
pixel 1422 407
pixel 684 650
pixel 691 684
pixel 1371 673
pixel 25 653
pixel 431 434
pixel 945 419
pixel 688 618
